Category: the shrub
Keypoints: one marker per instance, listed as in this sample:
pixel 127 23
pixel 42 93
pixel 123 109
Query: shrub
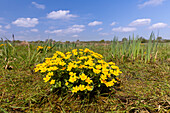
pixel 80 72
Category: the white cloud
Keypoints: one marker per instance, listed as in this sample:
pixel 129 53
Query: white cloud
pixel 94 23
pixel 140 22
pixel 0 26
pixel 78 26
pixel 151 2
pixel 34 30
pixel 39 6
pixel 158 25
pixel 104 34
pixel 61 14
pixel 54 31
pixel 75 29
pixel 26 22
pixel 7 26
pixel 69 30
pixel 113 23
pixel 124 29
pixel 99 29
pixel 75 36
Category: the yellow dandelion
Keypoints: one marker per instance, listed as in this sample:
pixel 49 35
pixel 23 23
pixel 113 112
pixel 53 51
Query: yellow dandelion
pixel 88 80
pixel 89 88
pixel 82 87
pixel 83 76
pixel 66 83
pixel 52 82
pixel 75 89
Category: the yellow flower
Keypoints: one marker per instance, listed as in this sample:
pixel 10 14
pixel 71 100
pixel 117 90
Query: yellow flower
pixel 116 73
pixel 109 75
pixel 98 67
pixel 113 80
pixel 96 71
pixel 68 53
pixel 72 74
pixel 80 49
pixel 75 53
pixel 36 69
pixel 117 78
pixel 63 68
pixel 66 83
pixel 53 68
pixel 77 62
pixel 102 81
pixel 90 67
pixel 86 50
pixel 75 89
pixel 74 50
pixel 1 45
pixel 47 78
pixel 82 58
pixel 70 66
pixel 111 63
pixel 82 87
pixel 114 67
pixel 52 82
pixel 50 73
pixel 39 47
pixel 109 84
pixel 101 61
pixel 43 69
pixel 89 62
pixel 82 66
pixel 81 53
pixel 111 71
pixel 88 80
pixel 49 47
pixel 62 63
pixel 68 56
pixel 75 66
pixel 105 71
pixel 89 88
pixel 72 79
pixel 83 76
pixel 103 77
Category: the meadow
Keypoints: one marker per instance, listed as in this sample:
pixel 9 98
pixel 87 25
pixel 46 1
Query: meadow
pixel 144 86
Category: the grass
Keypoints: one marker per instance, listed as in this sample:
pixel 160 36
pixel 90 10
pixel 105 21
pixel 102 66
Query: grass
pixel 144 85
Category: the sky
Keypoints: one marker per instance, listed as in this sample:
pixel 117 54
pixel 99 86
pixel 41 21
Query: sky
pixel 84 20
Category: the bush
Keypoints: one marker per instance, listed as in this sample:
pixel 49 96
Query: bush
pixel 80 72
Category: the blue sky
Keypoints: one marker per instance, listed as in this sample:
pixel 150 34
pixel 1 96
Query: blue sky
pixel 83 20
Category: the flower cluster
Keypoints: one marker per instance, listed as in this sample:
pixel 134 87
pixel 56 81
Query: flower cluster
pixel 79 70
pixel 40 48
pixel 1 45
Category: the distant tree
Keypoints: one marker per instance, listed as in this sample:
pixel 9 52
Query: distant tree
pixel 67 42
pixel 102 41
pixel 17 41
pixel 124 39
pixel 77 41
pixel 49 40
pixel 159 38
pixel 143 40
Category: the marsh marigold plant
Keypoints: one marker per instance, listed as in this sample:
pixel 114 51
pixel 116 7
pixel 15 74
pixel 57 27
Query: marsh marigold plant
pixel 79 71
